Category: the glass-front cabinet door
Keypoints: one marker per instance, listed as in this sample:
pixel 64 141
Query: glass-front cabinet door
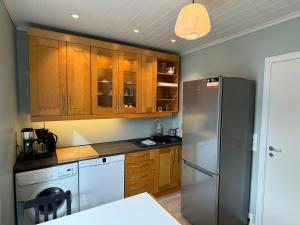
pixel 104 81
pixel 130 83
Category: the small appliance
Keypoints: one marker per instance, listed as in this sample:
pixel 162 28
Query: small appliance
pixel 41 147
pixel 46 140
pixel 27 134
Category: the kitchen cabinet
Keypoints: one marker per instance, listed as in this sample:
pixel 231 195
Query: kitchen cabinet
pixel 149 84
pixel 168 173
pixel 79 79
pixel 104 63
pixel 139 172
pixel 154 171
pixel 130 71
pixel 74 78
pixel 48 78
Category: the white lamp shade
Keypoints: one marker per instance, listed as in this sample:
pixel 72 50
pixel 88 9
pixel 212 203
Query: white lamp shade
pixel 193 22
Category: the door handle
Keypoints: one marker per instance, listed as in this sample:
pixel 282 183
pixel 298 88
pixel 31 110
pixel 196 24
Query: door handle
pixel 271 148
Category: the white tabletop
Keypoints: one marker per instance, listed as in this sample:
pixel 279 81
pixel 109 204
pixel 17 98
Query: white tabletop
pixel 140 209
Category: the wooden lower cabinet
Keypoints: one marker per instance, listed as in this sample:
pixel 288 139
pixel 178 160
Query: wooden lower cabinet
pixel 153 171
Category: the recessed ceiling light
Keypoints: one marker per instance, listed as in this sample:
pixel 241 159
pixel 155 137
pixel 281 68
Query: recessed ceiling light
pixel 173 40
pixel 75 16
pixel 136 30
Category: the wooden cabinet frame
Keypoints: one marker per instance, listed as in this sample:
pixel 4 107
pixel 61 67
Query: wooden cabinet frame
pixel 47 80
pixel 79 79
pixel 86 106
pixel 157 171
pixel 115 81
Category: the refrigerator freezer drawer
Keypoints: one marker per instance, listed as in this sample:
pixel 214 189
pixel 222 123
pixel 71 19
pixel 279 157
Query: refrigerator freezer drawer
pixel 199 196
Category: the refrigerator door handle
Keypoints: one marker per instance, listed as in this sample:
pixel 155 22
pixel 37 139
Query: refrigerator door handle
pixel 200 169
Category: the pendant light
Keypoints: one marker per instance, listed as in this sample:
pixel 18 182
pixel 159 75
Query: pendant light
pixel 193 22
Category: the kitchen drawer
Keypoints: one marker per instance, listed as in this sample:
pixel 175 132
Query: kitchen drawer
pixel 137 168
pixel 134 189
pixel 137 157
pixel 138 178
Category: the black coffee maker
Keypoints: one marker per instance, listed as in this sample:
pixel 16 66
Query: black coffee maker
pixel 47 140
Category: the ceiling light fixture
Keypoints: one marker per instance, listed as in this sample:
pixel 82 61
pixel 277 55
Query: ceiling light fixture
pixel 75 16
pixel 192 22
pixel 136 30
pixel 173 40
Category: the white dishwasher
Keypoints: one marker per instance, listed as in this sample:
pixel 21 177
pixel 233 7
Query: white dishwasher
pixel 101 181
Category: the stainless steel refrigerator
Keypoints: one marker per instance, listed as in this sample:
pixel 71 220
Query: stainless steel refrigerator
pixel 217 144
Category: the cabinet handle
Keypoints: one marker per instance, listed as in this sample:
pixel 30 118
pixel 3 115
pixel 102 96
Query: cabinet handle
pixel 63 100
pixel 177 151
pixel 137 177
pixel 173 156
pixel 154 104
pixel 71 101
pixel 139 187
pixel 121 101
pixel 116 102
pixel 140 155
pixel 143 165
pixel 78 50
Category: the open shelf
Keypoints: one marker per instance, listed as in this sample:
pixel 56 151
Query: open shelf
pixel 167 87
pixel 167 74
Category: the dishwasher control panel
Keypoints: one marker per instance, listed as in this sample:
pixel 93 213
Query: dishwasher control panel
pixel 101 161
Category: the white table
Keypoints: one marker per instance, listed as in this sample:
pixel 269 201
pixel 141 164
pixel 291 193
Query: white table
pixel 140 209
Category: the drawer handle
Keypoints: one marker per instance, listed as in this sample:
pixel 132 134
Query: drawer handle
pixel 145 164
pixel 139 187
pixel 137 177
pixel 139 155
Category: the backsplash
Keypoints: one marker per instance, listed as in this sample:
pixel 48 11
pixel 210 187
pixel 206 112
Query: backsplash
pixel 80 132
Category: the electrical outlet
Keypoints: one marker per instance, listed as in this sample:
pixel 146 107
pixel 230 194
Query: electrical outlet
pixel 254 143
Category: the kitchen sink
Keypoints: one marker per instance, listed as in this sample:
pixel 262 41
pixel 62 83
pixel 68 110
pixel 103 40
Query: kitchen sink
pixel 159 140
pixel 166 139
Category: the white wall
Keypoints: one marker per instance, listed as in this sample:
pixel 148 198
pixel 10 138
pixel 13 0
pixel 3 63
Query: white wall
pixel 8 116
pixel 243 57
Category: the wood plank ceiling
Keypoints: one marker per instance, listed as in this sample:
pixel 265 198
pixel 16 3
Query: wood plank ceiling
pixel 116 19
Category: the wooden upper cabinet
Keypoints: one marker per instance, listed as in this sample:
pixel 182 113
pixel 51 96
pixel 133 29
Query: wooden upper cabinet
pixel 130 82
pixel 79 79
pixel 69 79
pixel 47 72
pixel 105 75
pixel 149 84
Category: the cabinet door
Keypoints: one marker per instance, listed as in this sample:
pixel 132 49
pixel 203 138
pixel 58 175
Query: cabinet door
pixel 79 79
pixel 168 168
pixel 149 84
pixel 176 175
pixel 129 83
pixel 47 72
pixel 165 174
pixel 104 81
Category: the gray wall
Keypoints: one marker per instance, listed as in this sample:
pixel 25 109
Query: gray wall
pixel 8 115
pixel 78 132
pixel 243 57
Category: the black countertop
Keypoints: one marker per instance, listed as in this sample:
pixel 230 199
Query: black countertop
pixel 103 149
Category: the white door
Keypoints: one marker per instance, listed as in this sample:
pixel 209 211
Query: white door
pixel 281 201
